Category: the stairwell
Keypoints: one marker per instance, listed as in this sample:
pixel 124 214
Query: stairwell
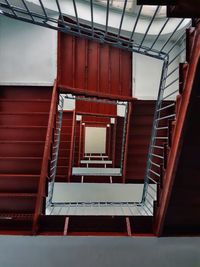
pixel 24 113
pixel 65 148
pixel 177 209
pixel 139 135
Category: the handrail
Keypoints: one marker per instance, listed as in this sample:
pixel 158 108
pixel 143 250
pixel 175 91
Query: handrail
pixel 72 147
pixel 55 150
pixel 164 113
pixel 114 144
pixel 127 141
pixel 45 160
pixel 191 76
pixel 124 137
pixel 80 144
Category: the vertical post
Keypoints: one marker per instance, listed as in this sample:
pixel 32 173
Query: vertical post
pixel 114 144
pixel 72 147
pixel 65 232
pixel 80 143
pixel 127 140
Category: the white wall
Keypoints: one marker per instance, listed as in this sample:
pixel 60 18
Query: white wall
pixel 69 104
pixel 95 140
pixel 27 53
pixel 147 74
pixel 89 192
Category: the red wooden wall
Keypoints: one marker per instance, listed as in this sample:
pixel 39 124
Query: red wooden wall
pixel 89 65
pixel 95 119
pixel 95 107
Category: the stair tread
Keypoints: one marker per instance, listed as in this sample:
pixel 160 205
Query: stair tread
pixel 23 126
pixel 19 175
pixel 17 194
pixel 20 158
pixel 20 142
pixel 24 113
pixel 24 100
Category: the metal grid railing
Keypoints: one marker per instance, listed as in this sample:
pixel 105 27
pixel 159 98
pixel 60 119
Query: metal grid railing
pixel 99 208
pixel 58 20
pixel 165 114
pixel 55 150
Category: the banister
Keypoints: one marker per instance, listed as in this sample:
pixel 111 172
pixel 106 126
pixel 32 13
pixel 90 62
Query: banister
pixel 127 141
pixel 80 143
pixel 45 160
pixel 178 131
pixel 114 144
pixel 72 146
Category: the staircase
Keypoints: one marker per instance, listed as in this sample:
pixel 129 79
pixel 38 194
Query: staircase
pixel 177 210
pixel 24 113
pixel 139 135
pixel 65 148
pixel 182 216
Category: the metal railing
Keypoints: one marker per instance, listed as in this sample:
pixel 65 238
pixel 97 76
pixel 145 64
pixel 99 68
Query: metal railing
pixel 124 137
pixel 99 208
pixel 165 114
pixel 55 150
pixel 22 10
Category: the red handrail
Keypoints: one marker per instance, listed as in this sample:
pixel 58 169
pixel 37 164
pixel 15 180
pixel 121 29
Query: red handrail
pixel 45 160
pixel 177 136
pixel 72 146
pixel 80 144
pixel 114 144
pixel 126 143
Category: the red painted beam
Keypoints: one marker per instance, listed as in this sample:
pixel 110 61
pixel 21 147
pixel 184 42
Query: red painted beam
pixel 72 147
pixel 126 142
pixel 81 92
pixel 45 161
pixel 96 114
pixel 114 144
pixel 80 144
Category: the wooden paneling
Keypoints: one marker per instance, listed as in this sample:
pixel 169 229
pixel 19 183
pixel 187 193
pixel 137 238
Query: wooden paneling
pixel 94 107
pixel 95 67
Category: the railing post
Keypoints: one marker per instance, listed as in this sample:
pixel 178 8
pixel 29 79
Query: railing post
pixel 72 146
